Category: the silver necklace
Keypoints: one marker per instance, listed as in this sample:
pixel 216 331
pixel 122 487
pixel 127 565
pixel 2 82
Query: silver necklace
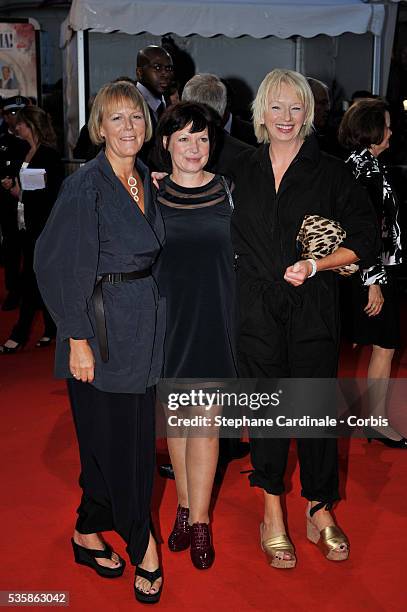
pixel 132 183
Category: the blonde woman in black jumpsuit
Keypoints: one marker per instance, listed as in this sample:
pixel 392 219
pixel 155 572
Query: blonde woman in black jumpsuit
pixel 288 309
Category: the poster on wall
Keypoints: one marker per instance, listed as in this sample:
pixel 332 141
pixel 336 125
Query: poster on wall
pixel 18 60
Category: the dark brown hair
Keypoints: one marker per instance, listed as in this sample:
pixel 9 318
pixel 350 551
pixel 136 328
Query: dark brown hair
pixel 175 118
pixel 39 123
pixel 363 124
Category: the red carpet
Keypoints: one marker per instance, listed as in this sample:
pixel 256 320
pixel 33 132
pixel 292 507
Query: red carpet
pixel 39 491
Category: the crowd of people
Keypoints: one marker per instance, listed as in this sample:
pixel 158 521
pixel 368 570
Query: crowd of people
pixel 194 273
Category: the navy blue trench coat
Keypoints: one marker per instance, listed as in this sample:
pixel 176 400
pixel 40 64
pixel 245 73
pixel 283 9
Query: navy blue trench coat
pixel 96 228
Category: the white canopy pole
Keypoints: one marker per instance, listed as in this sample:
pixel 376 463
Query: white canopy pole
pixel 376 72
pixel 81 77
pixel 299 54
pixel 387 45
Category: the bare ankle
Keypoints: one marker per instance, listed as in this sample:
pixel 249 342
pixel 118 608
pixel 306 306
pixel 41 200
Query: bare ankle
pixel 273 518
pixel 198 518
pixel 89 540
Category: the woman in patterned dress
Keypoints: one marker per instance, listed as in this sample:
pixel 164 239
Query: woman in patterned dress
pixel 365 130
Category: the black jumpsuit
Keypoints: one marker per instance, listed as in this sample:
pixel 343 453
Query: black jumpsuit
pixel 287 331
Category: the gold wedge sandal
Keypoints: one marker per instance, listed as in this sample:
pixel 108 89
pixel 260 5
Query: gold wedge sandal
pixel 331 540
pixel 278 544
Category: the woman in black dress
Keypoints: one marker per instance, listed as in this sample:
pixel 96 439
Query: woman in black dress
pixel 34 126
pixel 195 274
pixel 375 311
pixel 93 264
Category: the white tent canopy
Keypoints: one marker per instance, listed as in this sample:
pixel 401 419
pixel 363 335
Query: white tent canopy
pixel 231 18
pixel 257 18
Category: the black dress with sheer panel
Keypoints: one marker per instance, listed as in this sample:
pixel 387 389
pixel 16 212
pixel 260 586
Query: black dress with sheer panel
pixel 195 273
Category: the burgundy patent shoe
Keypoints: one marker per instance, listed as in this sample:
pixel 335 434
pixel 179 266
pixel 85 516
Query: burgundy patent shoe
pixel 202 551
pixel 179 538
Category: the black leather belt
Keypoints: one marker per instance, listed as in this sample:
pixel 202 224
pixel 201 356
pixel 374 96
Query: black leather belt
pixel 97 299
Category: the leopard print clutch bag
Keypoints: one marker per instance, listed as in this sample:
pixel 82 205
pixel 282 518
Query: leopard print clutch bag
pixel 319 237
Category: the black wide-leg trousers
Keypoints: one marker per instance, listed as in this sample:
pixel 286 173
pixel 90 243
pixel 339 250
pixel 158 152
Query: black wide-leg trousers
pixel 31 299
pixel 116 436
pixel 297 342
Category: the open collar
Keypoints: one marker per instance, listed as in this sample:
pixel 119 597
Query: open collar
pixel 309 152
pixel 152 100
pixel 106 168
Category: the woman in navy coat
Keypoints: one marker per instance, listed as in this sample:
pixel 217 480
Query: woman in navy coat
pixel 93 264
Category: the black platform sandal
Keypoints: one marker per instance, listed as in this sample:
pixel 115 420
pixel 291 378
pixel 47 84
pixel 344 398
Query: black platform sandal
pixel 10 350
pixel 44 341
pixel 88 556
pixel 151 577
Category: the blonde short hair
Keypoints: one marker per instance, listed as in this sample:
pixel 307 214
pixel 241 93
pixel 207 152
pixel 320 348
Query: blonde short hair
pixel 273 81
pixel 108 98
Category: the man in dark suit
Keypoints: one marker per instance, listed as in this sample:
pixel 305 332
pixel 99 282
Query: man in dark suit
pixel 325 132
pixel 154 75
pixel 208 89
pixel 241 129
pixel 235 126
